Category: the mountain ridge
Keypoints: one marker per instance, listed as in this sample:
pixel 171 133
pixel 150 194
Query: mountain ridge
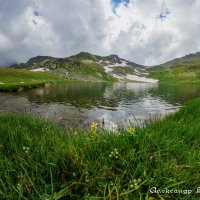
pixel 180 60
pixel 87 66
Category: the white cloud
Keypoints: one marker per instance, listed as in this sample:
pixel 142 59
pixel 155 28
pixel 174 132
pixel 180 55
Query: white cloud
pixel 146 32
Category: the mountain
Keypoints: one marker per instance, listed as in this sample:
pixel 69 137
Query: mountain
pixel 86 66
pixel 183 69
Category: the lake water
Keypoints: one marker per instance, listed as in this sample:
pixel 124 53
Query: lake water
pixel 118 104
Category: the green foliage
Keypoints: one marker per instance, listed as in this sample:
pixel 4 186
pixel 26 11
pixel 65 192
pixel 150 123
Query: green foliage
pixel 40 161
pixel 86 70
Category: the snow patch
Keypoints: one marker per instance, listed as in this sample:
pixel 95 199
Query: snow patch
pixel 141 79
pixel 40 70
pixel 120 78
pixel 100 61
pixel 129 77
pixel 123 64
pixel 145 73
pixel 137 71
pixel 108 69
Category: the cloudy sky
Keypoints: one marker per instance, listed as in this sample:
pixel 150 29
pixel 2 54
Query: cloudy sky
pixel 144 31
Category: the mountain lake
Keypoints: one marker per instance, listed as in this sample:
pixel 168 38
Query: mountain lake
pixel 77 105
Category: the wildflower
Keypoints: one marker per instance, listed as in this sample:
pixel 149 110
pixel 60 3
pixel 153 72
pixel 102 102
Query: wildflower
pixel 26 149
pixel 150 198
pixel 87 195
pixel 135 183
pixel 131 131
pixel 94 128
pixel 114 154
pixel 18 186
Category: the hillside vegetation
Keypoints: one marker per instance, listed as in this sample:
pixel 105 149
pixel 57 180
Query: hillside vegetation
pixel 84 66
pixel 15 79
pixel 40 161
pixel 89 67
pixel 180 70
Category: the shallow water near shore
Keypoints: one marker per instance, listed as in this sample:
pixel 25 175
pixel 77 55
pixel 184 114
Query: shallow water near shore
pixel 77 105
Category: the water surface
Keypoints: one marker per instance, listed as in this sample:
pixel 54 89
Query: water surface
pixel 80 104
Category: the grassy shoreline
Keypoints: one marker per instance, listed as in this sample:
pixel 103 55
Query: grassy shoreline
pixel 40 161
pixel 176 75
pixel 18 79
pixel 14 79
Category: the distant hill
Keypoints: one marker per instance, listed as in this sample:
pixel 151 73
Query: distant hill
pixel 184 69
pixel 190 59
pixel 86 66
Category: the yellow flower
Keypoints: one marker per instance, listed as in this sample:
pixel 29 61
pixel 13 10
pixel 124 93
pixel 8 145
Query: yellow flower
pixel 150 198
pixel 131 130
pixel 94 128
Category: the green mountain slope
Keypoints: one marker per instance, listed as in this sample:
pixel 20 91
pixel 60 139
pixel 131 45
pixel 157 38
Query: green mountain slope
pixel 85 66
pixel 179 70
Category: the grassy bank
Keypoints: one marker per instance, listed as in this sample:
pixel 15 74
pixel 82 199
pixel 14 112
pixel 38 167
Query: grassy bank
pixel 177 73
pixel 13 79
pixel 40 161
pixel 166 76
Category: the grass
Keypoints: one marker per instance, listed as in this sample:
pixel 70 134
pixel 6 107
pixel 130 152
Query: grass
pixel 13 79
pixel 172 76
pixel 73 70
pixel 38 160
pixel 186 72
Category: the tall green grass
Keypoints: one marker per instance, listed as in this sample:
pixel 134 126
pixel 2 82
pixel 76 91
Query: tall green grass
pixel 40 161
